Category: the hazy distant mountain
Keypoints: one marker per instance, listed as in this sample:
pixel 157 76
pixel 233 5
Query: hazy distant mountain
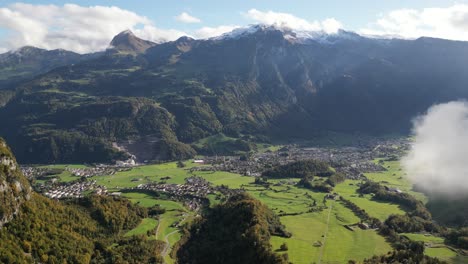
pixel 262 82
pixel 28 62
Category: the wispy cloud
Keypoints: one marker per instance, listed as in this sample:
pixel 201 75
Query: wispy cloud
pixel 184 17
pixel 209 32
pixel 449 22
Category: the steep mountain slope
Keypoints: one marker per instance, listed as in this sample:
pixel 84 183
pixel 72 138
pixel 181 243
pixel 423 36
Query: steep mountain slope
pixel 264 82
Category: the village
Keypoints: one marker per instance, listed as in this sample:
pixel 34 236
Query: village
pixel 351 161
pixel 193 193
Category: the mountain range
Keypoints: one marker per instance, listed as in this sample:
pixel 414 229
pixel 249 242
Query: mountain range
pixel 256 84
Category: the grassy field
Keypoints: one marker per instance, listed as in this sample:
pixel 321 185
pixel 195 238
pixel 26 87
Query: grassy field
pixel 147 224
pixel 308 244
pixel 145 174
pixel 376 209
pixel 165 228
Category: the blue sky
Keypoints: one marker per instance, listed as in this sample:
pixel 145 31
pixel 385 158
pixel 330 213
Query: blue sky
pixel 83 28
pixel 354 14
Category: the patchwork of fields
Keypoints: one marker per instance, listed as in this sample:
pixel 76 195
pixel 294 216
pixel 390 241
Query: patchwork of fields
pixel 317 224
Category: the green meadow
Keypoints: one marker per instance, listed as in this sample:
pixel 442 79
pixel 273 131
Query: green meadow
pixel 376 209
pixel 147 224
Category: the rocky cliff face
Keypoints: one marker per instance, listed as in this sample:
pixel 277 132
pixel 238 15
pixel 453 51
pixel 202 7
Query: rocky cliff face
pixel 14 187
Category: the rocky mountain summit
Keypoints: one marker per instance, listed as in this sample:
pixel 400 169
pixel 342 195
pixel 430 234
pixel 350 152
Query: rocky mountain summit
pixel 127 42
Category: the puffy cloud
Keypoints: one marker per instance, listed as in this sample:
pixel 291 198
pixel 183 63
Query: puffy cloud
pixel 73 27
pixel 209 32
pixel 329 25
pixel 449 23
pixel 184 17
pixel 438 159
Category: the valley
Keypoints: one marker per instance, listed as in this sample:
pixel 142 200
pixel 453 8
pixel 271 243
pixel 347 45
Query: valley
pixel 323 229
pixel 265 144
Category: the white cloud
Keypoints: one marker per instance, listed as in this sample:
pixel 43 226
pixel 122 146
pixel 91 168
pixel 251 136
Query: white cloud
pixel 437 161
pixel 449 23
pixel 73 27
pixel 184 17
pixel 329 25
pixel 152 33
pixel 209 32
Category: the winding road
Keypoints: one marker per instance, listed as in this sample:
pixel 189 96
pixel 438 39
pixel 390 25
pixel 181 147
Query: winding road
pixel 168 245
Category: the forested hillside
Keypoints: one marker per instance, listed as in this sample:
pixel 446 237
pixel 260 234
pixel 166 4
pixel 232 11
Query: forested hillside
pixel 237 231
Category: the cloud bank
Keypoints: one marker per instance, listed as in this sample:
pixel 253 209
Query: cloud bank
pixel 73 27
pixel 449 23
pixel 329 25
pixel 438 160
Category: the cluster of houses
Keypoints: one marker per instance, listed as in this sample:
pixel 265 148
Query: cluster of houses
pixel 193 192
pixel 74 190
pixel 35 172
pixel 96 171
pixel 100 170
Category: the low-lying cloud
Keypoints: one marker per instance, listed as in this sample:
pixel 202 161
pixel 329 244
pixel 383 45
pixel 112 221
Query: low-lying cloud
pixel 329 25
pixel 438 159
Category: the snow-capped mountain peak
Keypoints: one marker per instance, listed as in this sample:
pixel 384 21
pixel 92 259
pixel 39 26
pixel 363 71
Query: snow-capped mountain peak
pixel 292 35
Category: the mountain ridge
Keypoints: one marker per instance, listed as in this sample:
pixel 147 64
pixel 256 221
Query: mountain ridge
pixel 256 87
